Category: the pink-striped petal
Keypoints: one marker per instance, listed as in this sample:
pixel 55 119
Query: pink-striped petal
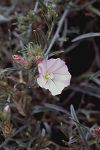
pixel 54 75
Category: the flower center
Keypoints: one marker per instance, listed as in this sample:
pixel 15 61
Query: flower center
pixel 48 76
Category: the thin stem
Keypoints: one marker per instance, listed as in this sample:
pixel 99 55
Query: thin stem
pixel 36 7
pixel 60 23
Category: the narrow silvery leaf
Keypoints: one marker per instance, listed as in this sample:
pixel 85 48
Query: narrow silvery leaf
pixel 57 108
pixel 74 117
pixel 48 107
pixel 85 36
pixel 55 53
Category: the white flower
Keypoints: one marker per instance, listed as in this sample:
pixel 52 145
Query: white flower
pixel 53 75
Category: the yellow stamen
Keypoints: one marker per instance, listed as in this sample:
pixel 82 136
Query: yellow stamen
pixel 48 76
